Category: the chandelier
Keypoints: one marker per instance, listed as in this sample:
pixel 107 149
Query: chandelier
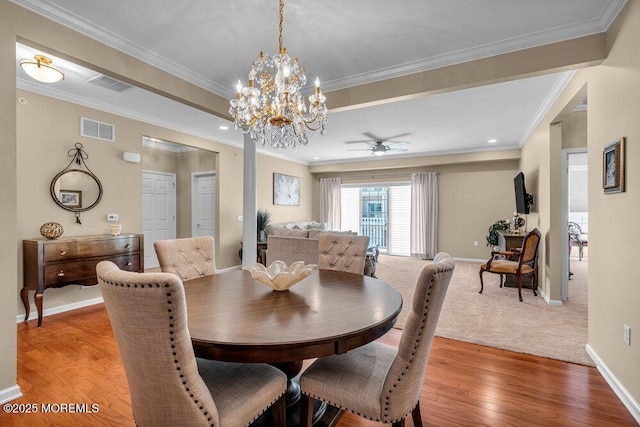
pixel 271 108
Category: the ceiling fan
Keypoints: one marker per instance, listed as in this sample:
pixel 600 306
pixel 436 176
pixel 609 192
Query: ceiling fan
pixel 380 146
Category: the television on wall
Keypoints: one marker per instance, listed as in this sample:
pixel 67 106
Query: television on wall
pixel 524 200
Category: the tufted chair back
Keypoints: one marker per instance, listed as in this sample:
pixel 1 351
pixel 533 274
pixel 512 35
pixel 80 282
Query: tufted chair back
pixel 405 377
pixel 342 252
pixel 187 258
pixel 378 381
pixel 148 315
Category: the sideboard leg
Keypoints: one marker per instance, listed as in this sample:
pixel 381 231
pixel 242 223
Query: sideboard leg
pixel 24 296
pixel 38 299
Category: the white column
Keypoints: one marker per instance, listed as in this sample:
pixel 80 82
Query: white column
pixel 249 202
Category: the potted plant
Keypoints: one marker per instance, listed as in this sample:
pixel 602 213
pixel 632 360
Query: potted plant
pixel 263 219
pixel 492 236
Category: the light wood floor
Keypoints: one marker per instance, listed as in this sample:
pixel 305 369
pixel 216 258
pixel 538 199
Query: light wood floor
pixel 73 358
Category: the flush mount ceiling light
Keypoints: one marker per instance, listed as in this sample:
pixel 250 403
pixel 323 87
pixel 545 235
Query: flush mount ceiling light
pixel 41 70
pixel 271 108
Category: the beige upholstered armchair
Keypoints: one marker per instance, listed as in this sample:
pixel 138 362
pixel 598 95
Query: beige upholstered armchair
pixel 187 258
pixel 377 381
pixel 168 385
pixel 342 252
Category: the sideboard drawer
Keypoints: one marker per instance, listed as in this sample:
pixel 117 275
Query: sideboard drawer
pixel 84 272
pixel 72 261
pixel 73 250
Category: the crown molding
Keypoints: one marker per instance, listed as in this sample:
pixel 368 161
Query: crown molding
pixel 559 86
pixel 62 16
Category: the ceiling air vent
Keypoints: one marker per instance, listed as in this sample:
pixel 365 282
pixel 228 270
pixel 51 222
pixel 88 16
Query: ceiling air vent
pixel 95 129
pixel 109 83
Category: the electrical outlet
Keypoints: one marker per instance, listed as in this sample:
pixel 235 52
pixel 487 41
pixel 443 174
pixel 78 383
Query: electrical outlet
pixel 112 217
pixel 627 334
pixel 239 218
pixel 475 243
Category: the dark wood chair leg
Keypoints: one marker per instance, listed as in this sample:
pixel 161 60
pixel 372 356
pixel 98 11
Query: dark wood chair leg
pixel 279 412
pixel 417 417
pixel 306 411
pixel 534 284
pixel 519 277
pixel 481 282
pixel 501 280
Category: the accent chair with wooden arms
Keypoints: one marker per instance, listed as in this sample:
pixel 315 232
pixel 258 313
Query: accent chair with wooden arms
pixel 519 262
pixel 168 384
pixel 342 252
pixel 378 381
pixel 187 258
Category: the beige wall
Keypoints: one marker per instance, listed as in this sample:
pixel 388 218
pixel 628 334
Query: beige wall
pixel 472 195
pixel 574 130
pixel 42 152
pixel 614 295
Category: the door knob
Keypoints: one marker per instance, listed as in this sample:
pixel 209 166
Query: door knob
pixel 61 274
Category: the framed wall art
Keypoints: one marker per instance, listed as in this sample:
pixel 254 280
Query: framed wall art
pixel 286 190
pixel 613 167
pixel 71 198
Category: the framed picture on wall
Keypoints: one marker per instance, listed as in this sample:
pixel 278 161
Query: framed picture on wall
pixel 71 198
pixel 613 167
pixel 286 190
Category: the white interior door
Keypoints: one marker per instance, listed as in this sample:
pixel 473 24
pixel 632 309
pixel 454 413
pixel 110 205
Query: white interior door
pixel 203 217
pixel 158 212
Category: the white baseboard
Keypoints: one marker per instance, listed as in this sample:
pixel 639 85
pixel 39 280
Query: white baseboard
pixel 61 308
pixel 553 302
pixel 479 261
pixel 9 394
pixel 623 394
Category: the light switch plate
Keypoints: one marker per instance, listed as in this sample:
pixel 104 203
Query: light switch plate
pixel 112 217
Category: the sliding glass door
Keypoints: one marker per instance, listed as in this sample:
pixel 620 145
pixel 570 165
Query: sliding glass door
pixel 381 212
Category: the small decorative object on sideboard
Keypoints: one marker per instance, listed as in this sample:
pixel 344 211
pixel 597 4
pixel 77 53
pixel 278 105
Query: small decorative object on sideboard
pixel 51 230
pixel 263 218
pixel 115 229
pixel 278 276
pixel 517 224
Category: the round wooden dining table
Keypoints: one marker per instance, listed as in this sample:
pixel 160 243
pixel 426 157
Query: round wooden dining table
pixel 235 318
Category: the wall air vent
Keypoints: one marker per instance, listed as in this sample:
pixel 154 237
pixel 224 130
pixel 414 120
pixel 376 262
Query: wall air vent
pixel 109 83
pixel 98 130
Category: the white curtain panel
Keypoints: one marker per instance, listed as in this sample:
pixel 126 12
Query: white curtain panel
pixel 330 201
pixel 424 215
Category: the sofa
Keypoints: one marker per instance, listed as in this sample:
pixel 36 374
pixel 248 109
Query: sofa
pixel 295 241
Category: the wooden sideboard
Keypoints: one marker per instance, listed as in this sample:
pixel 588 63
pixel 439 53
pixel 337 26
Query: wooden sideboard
pixel 72 261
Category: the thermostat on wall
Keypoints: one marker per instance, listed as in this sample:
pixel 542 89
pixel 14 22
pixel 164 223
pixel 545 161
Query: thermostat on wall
pixel 131 157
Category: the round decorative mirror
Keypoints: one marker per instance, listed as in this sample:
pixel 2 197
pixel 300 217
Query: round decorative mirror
pixel 76 190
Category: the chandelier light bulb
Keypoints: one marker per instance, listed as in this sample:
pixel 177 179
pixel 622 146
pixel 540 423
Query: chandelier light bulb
pixel 271 108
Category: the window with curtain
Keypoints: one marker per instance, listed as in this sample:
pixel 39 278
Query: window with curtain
pixel 381 212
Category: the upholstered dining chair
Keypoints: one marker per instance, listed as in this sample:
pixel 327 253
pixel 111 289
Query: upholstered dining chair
pixel 342 252
pixel 378 381
pixel 519 262
pixel 168 384
pixel 187 258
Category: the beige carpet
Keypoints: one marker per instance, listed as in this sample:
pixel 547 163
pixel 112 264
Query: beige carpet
pixel 496 318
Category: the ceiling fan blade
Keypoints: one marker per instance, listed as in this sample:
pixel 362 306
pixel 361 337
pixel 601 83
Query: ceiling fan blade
pixel 396 142
pixel 359 142
pixel 359 149
pixel 397 136
pixel 397 150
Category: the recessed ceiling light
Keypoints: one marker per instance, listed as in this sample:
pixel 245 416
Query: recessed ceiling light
pixel 492 141
pixel 223 127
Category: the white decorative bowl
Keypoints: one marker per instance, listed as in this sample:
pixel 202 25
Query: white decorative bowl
pixel 280 277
